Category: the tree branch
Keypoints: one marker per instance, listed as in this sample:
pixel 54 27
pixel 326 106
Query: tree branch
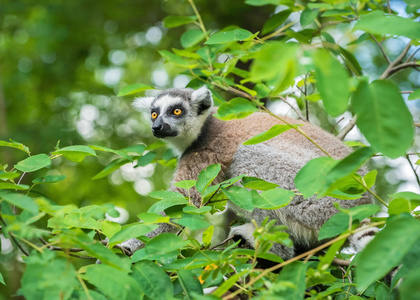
pixel 380 48
pixel 346 129
pixel 390 69
pixel 14 239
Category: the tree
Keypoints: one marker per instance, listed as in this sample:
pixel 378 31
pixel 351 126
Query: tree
pixel 314 54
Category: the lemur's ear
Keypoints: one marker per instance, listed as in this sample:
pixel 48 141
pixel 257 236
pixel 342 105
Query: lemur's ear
pixel 143 103
pixel 202 98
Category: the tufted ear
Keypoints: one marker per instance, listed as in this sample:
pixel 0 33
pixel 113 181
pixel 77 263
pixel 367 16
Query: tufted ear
pixel 143 103
pixel 202 99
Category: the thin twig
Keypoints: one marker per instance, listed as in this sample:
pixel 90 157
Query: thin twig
pixel 414 170
pixel 14 239
pixel 412 55
pixel 390 69
pixel 222 243
pixel 341 262
pixel 200 21
pixel 346 129
pixel 297 111
pixel 380 48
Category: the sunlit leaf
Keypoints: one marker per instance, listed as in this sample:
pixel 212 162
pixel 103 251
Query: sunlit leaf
pixel 237 108
pixel 49 179
pixel 16 145
pixel 269 134
pixel 75 153
pixel 192 37
pixel 206 177
pixel 129 232
pixel 228 36
pixel 34 163
pixel 414 95
pixel 22 201
pixel 176 21
pixel 272 199
pixel 133 89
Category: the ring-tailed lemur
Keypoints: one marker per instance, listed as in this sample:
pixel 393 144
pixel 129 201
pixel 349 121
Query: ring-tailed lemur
pixel 184 119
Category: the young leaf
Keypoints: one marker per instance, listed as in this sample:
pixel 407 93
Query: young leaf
pixel 414 95
pixel 34 163
pixel 114 165
pixel 308 16
pixel 332 81
pixel 208 235
pixel 192 37
pixel 237 108
pixel 176 21
pixel 16 145
pixel 377 22
pixel 272 199
pixel 403 202
pixel 22 201
pixel 129 232
pixel 383 117
pixel 381 255
pixel 222 37
pixel 75 153
pixel 190 284
pixel 239 196
pixel 153 280
pixel 118 152
pixel 49 179
pixel 269 134
pixel 164 243
pixel 206 177
pixel 275 21
pixel 193 222
pixel 176 60
pixel 185 184
pixel 258 184
pixel 337 224
pixel 133 89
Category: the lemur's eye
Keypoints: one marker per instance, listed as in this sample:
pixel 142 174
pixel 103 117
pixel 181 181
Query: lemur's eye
pixel 154 115
pixel 177 111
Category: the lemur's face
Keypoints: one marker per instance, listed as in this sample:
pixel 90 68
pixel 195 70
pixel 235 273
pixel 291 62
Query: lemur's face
pixel 177 115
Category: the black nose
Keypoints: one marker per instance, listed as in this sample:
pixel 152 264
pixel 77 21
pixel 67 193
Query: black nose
pixel 157 127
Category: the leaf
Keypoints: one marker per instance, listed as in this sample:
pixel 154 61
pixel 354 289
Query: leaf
pixel 290 284
pixel 272 199
pixel 208 235
pixel 414 95
pixel 258 184
pixel 383 117
pixel 192 37
pixel 206 177
pixel 2 279
pixel 311 178
pixel 332 81
pixel 190 284
pixel 262 2
pixel 164 243
pixel 227 284
pixel 22 201
pixel 153 280
pixel 49 179
pixel 191 209
pixel 237 108
pixel 269 134
pixel 377 22
pixel 9 175
pixel 146 159
pixel 114 283
pixel 129 232
pixel 193 222
pixel 15 145
pixel 176 60
pixel 185 184
pixel 133 89
pixel 239 196
pixel 275 21
pixel 403 202
pixel 114 165
pixel 75 153
pixel 34 163
pixel 118 152
pixel 381 254
pixel 308 16
pixel 13 186
pixel 176 21
pixel 335 225
pixel 228 36
pixel 166 203
pixel 349 165
pixel 409 289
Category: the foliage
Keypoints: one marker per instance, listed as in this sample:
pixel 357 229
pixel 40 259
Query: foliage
pixel 255 67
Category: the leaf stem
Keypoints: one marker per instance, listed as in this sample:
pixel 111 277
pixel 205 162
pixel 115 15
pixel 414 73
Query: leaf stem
pixel 200 21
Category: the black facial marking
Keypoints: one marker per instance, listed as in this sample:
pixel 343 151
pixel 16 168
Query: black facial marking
pixel 170 110
pixel 203 107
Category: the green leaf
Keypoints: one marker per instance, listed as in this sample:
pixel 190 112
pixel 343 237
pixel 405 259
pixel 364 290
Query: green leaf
pixel 2 279
pixel 275 21
pixel 13 186
pixel 332 81
pixel 129 232
pixel 190 284
pixel 192 37
pixel 222 37
pixel 403 202
pixel 262 2
pixel 291 282
pixel 15 145
pixel 167 203
pixel 277 64
pixel 409 289
pixel 49 179
pixel 227 284
pixel 176 60
pixel 258 184
pixel 176 21
pixel 239 196
pixel 146 159
pixel 272 199
pixel 114 165
pixel 414 95
pixel 193 222
pixel 151 218
pixel 377 22
pixel 269 134
pixel 206 177
pixel 311 178
pixel 114 283
pixel 308 16
pixel 9 175
pixel 22 201
pixel 185 184
pixel 153 280
pixel 133 89
pixel 164 243
pixel 351 62
pixel 349 164
pixel 335 225
pixel 34 163
pixel 383 117
pixel 75 153
pixel 191 209
pixel 237 108
pixel 118 152
pixel 381 254
pixel 208 235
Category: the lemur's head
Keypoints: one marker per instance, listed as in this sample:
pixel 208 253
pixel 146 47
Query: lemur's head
pixel 177 114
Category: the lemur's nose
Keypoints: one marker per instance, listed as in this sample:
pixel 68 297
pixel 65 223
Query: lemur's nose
pixel 157 127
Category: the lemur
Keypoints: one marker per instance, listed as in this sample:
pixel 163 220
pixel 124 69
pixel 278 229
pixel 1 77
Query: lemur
pixel 184 119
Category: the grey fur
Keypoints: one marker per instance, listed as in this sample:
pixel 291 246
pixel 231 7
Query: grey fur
pixel 202 140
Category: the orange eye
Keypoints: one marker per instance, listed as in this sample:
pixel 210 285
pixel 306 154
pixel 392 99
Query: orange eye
pixel 177 112
pixel 154 115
